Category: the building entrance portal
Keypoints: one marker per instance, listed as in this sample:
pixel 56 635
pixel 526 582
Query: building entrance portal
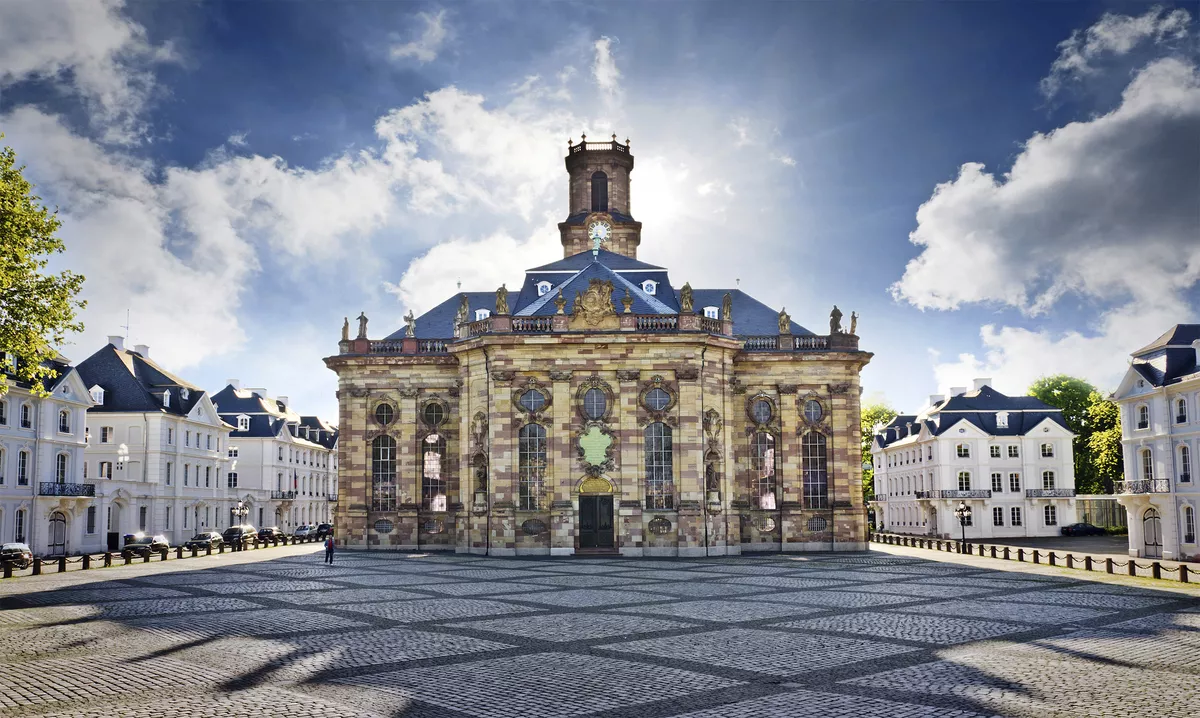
pixel 596 521
pixel 57 543
pixel 1152 531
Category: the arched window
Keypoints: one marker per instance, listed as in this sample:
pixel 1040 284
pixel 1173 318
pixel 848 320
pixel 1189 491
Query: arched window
pixel 1181 410
pixel 599 192
pixel 1147 464
pixel 433 481
pixel 763 463
pixel 1185 464
pixel 383 474
pixel 1048 480
pixel 595 404
pixel 64 422
pixel 26 416
pixel 660 477
pixel 815 470
pixel 1189 524
pixel 1143 417
pixel 22 468
pixel 60 468
pixel 531 466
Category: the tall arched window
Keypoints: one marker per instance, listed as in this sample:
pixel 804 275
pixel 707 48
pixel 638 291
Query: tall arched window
pixel 1048 480
pixel 599 192
pixel 1181 410
pixel 763 463
pixel 60 468
pixel 531 466
pixel 815 471
pixel 64 422
pixel 433 481
pixel 383 474
pixel 660 477
pixel 1147 464
pixel 1143 417
pixel 1185 464
pixel 1189 524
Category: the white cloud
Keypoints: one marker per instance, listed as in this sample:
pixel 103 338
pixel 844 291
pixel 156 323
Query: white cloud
pixel 741 128
pixel 237 139
pixel 426 47
pixel 87 48
pixel 604 68
pixel 1112 35
pixel 784 159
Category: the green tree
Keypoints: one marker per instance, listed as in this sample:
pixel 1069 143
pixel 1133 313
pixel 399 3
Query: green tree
pixel 1087 414
pixel 872 414
pixel 37 308
pixel 1104 443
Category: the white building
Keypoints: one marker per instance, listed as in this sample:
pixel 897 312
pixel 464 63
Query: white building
pixel 156 449
pixel 1008 458
pixel 44 498
pixel 285 461
pixel 1160 435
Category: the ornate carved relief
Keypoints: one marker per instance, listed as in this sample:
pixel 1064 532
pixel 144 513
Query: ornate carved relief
pixel 358 393
pixel 595 447
pixel 479 433
pixel 842 388
pixel 610 398
pixel 629 374
pixel 409 392
pixel 785 389
pixel 560 375
pixel 593 308
pixel 536 414
pixel 499 375
pixel 687 373
pixel 424 415
pixel 813 417
pixel 596 485
pixel 662 412
pixel 770 422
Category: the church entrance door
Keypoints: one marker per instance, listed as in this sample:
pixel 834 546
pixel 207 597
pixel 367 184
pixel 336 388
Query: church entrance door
pixel 596 521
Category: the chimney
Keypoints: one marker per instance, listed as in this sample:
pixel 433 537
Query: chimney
pixel 235 383
pixel 980 383
pixel 117 341
pixel 283 400
pixel 260 392
pixel 957 391
pixel 935 398
pixel 143 350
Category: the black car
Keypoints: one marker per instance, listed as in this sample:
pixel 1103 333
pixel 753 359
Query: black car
pixel 144 544
pixel 324 530
pixel 17 554
pixel 204 540
pixel 270 533
pixel 244 534
pixel 1082 529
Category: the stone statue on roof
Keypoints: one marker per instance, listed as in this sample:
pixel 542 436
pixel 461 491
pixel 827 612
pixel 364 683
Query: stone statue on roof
pixel 502 300
pixel 346 329
pixel 685 299
pixel 835 321
pixel 362 325
pixel 410 322
pixel 727 307
pixel 854 323
pixel 464 310
pixel 785 322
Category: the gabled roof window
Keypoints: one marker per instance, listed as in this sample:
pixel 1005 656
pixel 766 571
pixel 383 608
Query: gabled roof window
pixel 650 286
pixel 243 422
pixel 481 314
pixel 183 393
pixel 712 312
pixel 166 397
pixel 97 393
pixel 543 288
pixel 1002 419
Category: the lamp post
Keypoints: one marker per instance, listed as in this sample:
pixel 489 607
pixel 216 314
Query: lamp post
pixel 240 512
pixel 122 456
pixel 963 513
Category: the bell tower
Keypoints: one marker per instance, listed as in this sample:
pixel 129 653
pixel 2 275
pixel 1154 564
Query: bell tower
pixel 599 199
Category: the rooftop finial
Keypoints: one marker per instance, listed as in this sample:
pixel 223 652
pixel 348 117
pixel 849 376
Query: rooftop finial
pixel 614 137
pixel 582 138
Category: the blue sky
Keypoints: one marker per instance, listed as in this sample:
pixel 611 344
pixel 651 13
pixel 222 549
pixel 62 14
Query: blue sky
pixel 241 176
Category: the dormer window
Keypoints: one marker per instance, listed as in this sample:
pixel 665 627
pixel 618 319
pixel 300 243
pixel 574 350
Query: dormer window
pixel 166 397
pixel 243 423
pixel 543 288
pixel 97 394
pixel 712 312
pixel 650 286
pixel 183 393
pixel 481 314
pixel 1002 420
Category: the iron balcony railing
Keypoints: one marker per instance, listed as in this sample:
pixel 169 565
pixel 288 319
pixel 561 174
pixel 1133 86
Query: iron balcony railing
pixel 53 488
pixel 283 495
pixel 1144 486
pixel 1049 493
pixel 946 494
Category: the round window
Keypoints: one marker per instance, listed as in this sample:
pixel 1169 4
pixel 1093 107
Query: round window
pixel 532 400
pixel 595 403
pixel 383 526
pixel 761 411
pixel 384 414
pixel 657 399
pixel 813 411
pixel 434 414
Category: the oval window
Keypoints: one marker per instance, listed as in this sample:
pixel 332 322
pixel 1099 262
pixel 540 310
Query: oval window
pixel 384 414
pixel 532 400
pixel 761 411
pixel 813 411
pixel 383 526
pixel 657 399
pixel 434 414
pixel 595 404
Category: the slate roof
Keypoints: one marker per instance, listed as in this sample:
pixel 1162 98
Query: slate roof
pixel 268 417
pixel 643 303
pixel 580 217
pixel 750 316
pixel 1180 335
pixel 61 366
pixel 1169 358
pixel 132 382
pixel 978 408
pixel 329 433
pixel 612 260
pixel 438 323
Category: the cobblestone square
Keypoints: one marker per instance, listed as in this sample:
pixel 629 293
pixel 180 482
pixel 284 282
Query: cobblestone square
pixel 383 634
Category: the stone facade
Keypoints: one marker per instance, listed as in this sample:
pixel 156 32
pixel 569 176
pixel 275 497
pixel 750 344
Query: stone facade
pixel 602 386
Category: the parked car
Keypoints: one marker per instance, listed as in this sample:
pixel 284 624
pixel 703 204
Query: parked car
pixel 245 534
pixel 1082 529
pixel 324 530
pixel 269 533
pixel 303 531
pixel 17 554
pixel 144 544
pixel 204 540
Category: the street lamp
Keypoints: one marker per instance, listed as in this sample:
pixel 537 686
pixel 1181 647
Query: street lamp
pixel 963 513
pixel 122 456
pixel 240 512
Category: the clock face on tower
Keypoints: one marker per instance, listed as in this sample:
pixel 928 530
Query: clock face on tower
pixel 600 230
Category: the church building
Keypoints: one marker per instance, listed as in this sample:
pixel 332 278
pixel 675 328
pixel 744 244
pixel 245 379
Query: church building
pixel 599 407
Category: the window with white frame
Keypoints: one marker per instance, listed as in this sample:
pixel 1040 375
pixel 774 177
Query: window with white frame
pixel 1014 482
pixel 930 453
pixel 26 416
pixel 650 286
pixel 19 527
pixel 1185 464
pixel 231 480
pixel 1050 511
pixel 1002 422
pixel 1014 452
pixel 187 438
pixel 481 314
pixel 1014 516
pixel 1047 451
pixel 1181 410
pixel 3 464
pixel 1143 417
pixel 207 475
pixel 166 397
pixel 712 312
pixel 105 470
pixel 22 468
pixel 167 475
pixel 963 451
pixel 997 516
pixel 964 481
pixel 1147 464
pixel 97 393
pixel 60 468
pixel 90 526
pixel 106 434
pixel 1189 524
pixel 243 423
pixel 994 452
pixel 85 474
pixel 4 412
pixel 1048 480
pixel 997 482
pixel 233 452
pixel 543 288
pixel 64 422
